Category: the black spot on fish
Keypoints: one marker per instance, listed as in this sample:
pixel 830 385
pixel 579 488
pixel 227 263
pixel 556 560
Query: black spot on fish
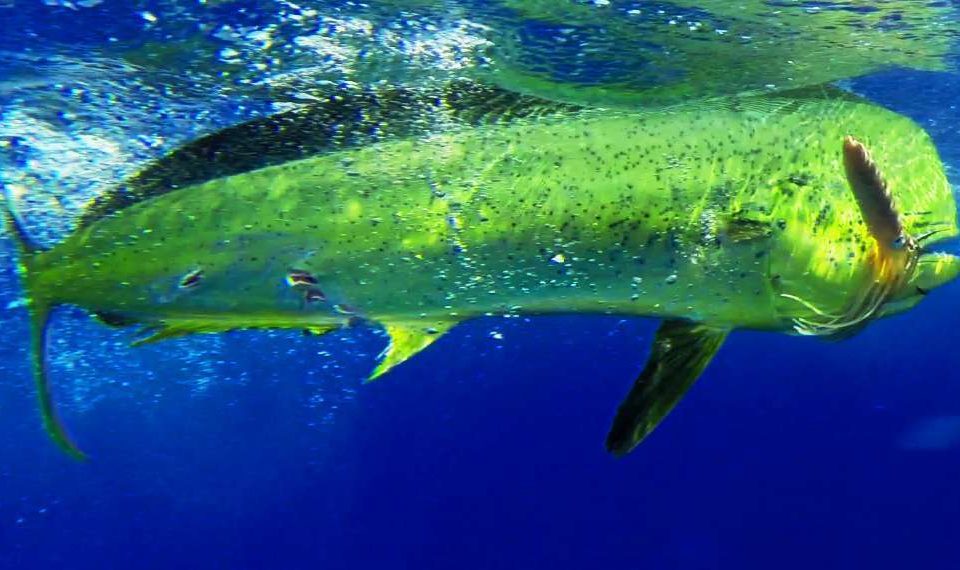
pixel 822 215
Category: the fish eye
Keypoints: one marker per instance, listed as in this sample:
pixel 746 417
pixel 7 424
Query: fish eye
pixel 899 242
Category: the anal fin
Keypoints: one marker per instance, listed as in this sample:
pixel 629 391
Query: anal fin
pixel 680 353
pixel 174 329
pixel 407 339
pixel 319 330
pixel 116 320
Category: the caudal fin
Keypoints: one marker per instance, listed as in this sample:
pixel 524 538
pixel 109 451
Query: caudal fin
pixel 39 308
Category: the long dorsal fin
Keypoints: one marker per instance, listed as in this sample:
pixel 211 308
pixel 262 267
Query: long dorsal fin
pixel 768 105
pixel 680 353
pixel 353 116
pixel 348 117
pixel 406 340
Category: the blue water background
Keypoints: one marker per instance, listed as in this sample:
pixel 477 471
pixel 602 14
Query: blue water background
pixel 486 450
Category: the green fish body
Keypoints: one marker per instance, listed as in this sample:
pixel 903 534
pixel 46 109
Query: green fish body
pixel 742 213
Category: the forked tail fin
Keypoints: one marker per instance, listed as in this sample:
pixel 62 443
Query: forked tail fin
pixel 39 308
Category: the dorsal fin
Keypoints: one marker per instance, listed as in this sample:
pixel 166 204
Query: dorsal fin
pixel 348 117
pixel 765 105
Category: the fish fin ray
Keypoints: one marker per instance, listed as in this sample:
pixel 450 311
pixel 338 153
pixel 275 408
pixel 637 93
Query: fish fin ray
pixel 406 340
pixel 39 307
pixel 339 119
pixel 320 330
pixel 765 105
pixel 154 334
pixel 680 353
pixel 174 329
pixel 873 196
pixel 166 330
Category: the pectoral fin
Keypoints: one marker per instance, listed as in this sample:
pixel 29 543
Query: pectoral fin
pixel 407 339
pixel 680 352
pixel 873 196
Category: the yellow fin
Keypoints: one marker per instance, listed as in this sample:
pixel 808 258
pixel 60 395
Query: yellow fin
pixel 175 329
pixel 407 339
pixel 320 330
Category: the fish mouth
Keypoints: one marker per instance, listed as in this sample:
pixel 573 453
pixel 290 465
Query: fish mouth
pixel 892 275
pixel 938 262
pixel 934 269
pixel 945 239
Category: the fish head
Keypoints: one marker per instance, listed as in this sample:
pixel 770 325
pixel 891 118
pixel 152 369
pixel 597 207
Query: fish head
pixel 903 209
pixel 903 259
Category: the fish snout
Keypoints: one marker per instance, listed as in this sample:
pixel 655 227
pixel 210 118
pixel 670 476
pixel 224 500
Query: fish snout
pixel 934 269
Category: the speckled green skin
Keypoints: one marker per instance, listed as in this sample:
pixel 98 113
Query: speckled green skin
pixel 710 213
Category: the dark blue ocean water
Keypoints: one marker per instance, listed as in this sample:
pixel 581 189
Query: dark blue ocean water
pixel 264 450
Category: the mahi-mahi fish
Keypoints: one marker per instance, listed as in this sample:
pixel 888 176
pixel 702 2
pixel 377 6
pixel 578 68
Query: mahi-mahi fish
pixel 808 213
